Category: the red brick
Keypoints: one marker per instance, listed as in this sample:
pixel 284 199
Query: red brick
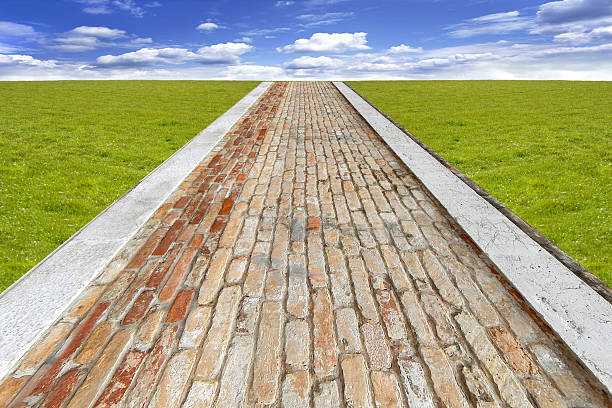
pixel 197 241
pixel 162 268
pixel 141 257
pixel 162 211
pixel 140 307
pixel 228 203
pixel 121 380
pixel 179 307
pixel 182 202
pixel 176 277
pixel 241 177
pixel 214 161
pixel 49 377
pixel 169 238
pixel 63 389
pixel 187 233
pixel 218 225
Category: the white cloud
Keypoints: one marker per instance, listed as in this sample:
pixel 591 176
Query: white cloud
pixel 108 6
pixel 403 48
pixel 27 60
pixel 284 3
pixel 99 32
pixel 226 53
pixel 244 39
pixel 313 20
pixel 324 42
pixel 306 62
pixel 491 24
pixel 265 31
pixel 207 27
pixel 9 29
pixel 569 11
pixel 255 72
pixel 510 15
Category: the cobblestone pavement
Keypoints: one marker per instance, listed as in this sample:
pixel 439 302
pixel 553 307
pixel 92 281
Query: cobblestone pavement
pixel 300 264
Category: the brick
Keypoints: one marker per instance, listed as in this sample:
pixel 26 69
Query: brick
pixel 10 387
pixel 144 383
pixel 149 327
pixel 216 343
pixel 95 343
pixel 43 348
pixel 169 238
pixel 85 302
pixel 325 358
pixel 267 369
pixel 140 307
pixel 316 262
pixel 102 370
pixel 376 346
pixel 63 389
pixel 201 395
pixel 195 327
pixel 298 293
pixel 297 342
pixel 356 384
pixel 314 224
pixel 176 276
pixel 178 310
pixel 214 276
pixel 174 381
pixel 418 319
pixel 386 390
pixel 147 248
pixel 245 242
pixel 443 377
pixel 254 282
pixel 161 269
pixel 349 340
pixel 233 382
pixel 339 279
pixel 196 241
pixel 121 381
pixel 327 395
pixel 363 293
pixel 516 357
pixel 296 389
pixel 415 385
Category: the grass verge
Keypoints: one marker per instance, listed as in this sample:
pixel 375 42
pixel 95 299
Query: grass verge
pixel 69 149
pixel 542 148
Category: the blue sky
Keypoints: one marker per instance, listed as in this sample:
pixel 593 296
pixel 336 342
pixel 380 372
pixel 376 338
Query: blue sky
pixel 305 39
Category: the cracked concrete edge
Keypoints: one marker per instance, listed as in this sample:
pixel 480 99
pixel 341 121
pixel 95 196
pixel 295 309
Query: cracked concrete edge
pixel 576 312
pixel 34 302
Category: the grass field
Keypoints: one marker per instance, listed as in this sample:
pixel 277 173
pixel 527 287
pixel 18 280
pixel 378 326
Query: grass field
pixel 542 148
pixel 69 149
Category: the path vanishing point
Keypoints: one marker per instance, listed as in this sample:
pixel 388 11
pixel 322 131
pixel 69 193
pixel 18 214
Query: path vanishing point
pixel 307 255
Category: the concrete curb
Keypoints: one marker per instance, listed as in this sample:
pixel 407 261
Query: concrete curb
pixel 576 312
pixel 37 300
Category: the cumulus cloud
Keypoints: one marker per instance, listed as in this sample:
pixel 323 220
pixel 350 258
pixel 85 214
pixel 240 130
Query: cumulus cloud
pixel 87 38
pixel 226 53
pixel 255 72
pixel 207 27
pixel 25 60
pixel 325 42
pixel 403 49
pixel 306 62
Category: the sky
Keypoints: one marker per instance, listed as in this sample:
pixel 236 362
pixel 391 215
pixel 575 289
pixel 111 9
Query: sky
pixel 305 39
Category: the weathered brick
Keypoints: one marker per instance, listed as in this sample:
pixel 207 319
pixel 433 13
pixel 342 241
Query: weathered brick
pixel 416 389
pixel 233 383
pixel 139 308
pixel 298 294
pixel 201 395
pixel 516 357
pixel 149 327
pixel 215 344
pixel 356 384
pixel 376 346
pixel 327 395
pixel 363 293
pixel 386 390
pixel 122 379
pixel 297 341
pixel 43 348
pixel 325 358
pixel 349 340
pixel 63 389
pixel 196 327
pixel 103 369
pixel 85 302
pixel 267 368
pixel 214 276
pixel 169 238
pixel 176 276
pixel 9 388
pixel 174 381
pixel 296 389
pixel 95 343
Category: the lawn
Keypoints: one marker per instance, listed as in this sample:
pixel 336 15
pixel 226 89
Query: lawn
pixel 69 149
pixel 542 148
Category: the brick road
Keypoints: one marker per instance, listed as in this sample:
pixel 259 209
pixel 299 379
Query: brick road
pixel 300 264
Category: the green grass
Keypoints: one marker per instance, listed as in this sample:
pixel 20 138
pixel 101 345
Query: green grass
pixel 69 149
pixel 542 148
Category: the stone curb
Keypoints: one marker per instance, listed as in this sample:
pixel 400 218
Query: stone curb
pixel 574 310
pixel 30 305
